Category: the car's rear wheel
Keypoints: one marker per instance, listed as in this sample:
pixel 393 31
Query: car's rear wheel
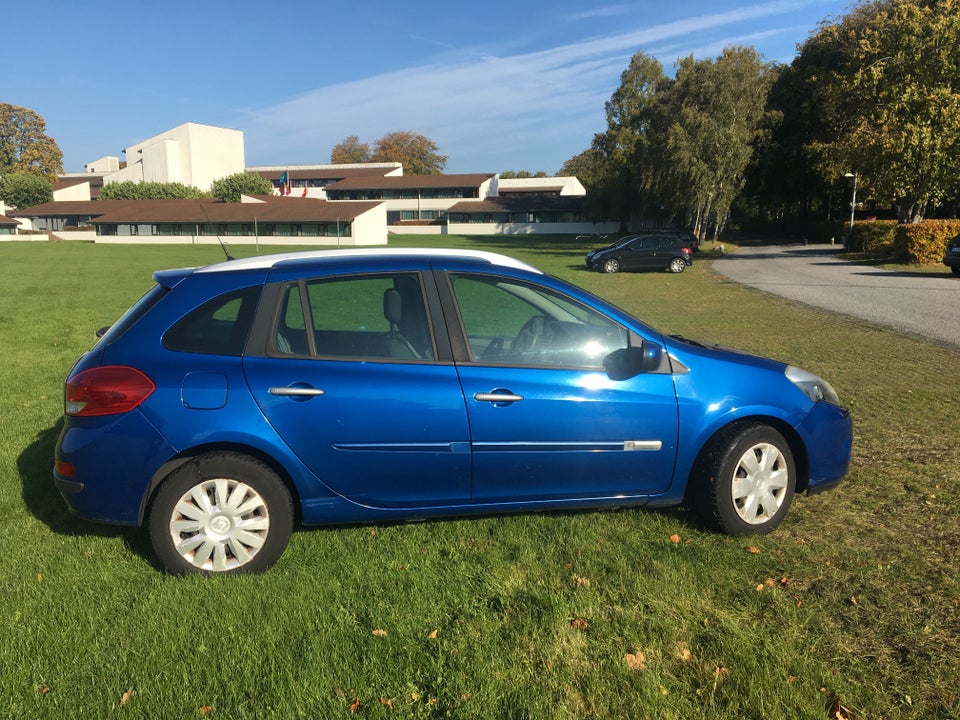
pixel 611 266
pixel 677 265
pixel 222 512
pixel 744 484
pixel 956 269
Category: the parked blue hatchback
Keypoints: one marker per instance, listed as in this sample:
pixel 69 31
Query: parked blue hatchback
pixel 348 386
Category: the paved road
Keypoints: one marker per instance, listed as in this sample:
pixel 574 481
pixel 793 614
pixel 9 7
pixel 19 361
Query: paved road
pixel 912 302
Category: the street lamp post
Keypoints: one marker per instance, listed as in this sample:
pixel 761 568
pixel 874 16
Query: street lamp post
pixel 853 203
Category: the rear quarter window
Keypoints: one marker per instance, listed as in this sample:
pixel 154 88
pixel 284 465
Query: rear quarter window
pixel 218 327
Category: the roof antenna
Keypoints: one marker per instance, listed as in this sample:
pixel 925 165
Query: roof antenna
pixel 223 245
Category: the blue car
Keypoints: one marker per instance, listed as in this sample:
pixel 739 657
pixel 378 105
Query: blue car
pixel 350 386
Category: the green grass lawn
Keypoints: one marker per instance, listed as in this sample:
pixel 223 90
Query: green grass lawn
pixel 853 601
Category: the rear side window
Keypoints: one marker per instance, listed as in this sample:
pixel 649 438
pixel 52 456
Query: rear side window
pixel 133 313
pixel 218 327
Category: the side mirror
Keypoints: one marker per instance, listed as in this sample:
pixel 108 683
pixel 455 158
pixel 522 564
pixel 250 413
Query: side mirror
pixel 626 363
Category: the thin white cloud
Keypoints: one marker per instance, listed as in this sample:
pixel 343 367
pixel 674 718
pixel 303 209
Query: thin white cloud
pixel 483 112
pixel 606 11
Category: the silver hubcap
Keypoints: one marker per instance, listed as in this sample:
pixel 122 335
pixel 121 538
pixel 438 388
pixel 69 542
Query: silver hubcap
pixel 677 265
pixel 219 525
pixel 760 483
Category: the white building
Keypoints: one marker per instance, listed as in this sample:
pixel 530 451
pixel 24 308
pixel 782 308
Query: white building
pixel 191 154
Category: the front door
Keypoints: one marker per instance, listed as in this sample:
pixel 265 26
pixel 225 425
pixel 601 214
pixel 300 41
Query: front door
pixel 546 422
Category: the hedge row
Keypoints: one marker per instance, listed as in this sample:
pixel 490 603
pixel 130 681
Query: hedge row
pixel 922 243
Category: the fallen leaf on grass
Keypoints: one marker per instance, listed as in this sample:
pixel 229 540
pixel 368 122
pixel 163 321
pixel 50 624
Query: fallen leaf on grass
pixel 204 710
pixel 127 697
pixel 581 581
pixel 355 705
pixel 387 703
pixel 42 689
pixel 378 633
pixel 675 538
pixel 753 550
pixel 683 653
pixel 433 635
pixel 837 711
pixel 579 624
pixel 635 661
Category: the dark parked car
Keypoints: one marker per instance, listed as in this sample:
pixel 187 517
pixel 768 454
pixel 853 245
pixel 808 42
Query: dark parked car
pixel 952 258
pixel 364 386
pixel 649 251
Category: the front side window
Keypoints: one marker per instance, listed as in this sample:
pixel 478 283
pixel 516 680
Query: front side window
pixel 364 317
pixel 510 322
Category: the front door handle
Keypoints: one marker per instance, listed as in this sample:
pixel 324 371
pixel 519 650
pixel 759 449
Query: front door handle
pixel 497 397
pixel 296 391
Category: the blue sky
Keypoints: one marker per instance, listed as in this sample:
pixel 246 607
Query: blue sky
pixel 498 85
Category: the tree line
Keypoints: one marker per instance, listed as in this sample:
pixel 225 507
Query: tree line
pixel 872 96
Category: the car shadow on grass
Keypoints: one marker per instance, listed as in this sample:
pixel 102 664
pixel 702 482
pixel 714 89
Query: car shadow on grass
pixel 43 500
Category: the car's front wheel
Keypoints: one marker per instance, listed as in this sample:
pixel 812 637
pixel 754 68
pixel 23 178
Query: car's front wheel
pixel 219 513
pixel 677 265
pixel 745 482
pixel 611 266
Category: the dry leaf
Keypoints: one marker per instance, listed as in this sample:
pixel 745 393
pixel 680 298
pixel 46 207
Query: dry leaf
pixel 582 581
pixel 387 703
pixel 127 697
pixel 683 653
pixel 753 550
pixel 378 632
pixel 784 581
pixel 355 705
pixel 635 661
pixel 759 587
pixel 853 600
pixel 836 711
pixel 791 680
pixel 579 624
pixel 204 710
pixel 569 566
pixel 39 577
pixel 675 538
pixel 769 582
pixel 42 689
pixel 433 635
pixel 721 672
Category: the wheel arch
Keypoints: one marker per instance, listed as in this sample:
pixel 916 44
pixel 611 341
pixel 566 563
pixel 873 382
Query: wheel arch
pixel 797 448
pixel 174 463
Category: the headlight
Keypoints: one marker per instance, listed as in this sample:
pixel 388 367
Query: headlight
pixel 815 388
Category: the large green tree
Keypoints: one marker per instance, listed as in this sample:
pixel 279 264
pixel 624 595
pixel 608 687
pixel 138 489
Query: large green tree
pixel 714 116
pixel 24 143
pixel 418 153
pixel 23 190
pixel 890 80
pixel 350 150
pixel 231 187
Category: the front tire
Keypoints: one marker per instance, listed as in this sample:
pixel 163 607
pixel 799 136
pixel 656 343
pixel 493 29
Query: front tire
pixel 611 266
pixel 746 482
pixel 222 512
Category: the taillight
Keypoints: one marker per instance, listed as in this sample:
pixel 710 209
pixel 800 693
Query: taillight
pixel 107 390
pixel 685 250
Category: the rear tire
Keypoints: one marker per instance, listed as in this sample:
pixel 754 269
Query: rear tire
pixel 222 512
pixel 955 269
pixel 677 265
pixel 744 483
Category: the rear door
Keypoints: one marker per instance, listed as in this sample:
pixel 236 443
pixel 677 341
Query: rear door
pixel 354 386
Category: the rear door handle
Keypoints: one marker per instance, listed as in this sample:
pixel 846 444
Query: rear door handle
pixel 296 391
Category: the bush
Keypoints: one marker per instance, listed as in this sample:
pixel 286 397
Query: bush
pixel 874 237
pixel 924 242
